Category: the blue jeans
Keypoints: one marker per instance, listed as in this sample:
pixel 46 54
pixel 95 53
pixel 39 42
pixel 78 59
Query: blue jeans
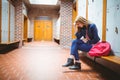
pixel 78 44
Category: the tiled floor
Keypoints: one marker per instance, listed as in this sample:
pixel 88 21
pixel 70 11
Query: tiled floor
pixel 43 61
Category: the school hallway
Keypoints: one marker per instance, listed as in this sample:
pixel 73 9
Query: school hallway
pixel 43 61
pixel 36 37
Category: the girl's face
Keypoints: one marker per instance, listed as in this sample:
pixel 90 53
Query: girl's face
pixel 78 24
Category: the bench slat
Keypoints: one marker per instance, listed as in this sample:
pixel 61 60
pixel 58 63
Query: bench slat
pixel 9 43
pixel 115 59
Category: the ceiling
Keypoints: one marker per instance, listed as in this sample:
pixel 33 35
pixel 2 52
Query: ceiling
pixel 43 7
pixel 37 10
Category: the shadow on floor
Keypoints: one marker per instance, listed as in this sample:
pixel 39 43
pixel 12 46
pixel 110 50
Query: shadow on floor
pixel 105 72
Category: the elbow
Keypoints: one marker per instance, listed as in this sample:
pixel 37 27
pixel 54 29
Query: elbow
pixel 97 40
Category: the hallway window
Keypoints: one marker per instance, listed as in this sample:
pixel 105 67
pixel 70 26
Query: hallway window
pixel 44 2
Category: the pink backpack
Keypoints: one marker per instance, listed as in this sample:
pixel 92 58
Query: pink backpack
pixel 100 49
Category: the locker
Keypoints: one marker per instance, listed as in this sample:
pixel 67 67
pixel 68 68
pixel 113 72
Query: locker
pixel 12 23
pixel 82 8
pixel 4 21
pixel 95 14
pixel 113 25
pixel 7 22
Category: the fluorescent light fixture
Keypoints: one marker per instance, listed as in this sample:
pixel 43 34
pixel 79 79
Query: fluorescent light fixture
pixel 44 2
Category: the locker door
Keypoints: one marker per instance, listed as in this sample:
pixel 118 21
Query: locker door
pixel 0 19
pixel 113 25
pixel 95 14
pixel 5 22
pixel 12 23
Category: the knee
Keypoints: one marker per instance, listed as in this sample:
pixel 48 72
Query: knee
pixel 73 53
pixel 74 41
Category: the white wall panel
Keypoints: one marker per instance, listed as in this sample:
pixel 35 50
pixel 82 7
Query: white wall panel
pixel 4 26
pixel 24 9
pixel 57 31
pixel 54 27
pixel 95 14
pixel 29 28
pixel 113 22
pixel 82 8
pixel 12 23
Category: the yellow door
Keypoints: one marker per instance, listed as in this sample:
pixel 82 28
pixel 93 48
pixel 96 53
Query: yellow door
pixel 48 30
pixel 25 28
pixel 38 30
pixel 43 30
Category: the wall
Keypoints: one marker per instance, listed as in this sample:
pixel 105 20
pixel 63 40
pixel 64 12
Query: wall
pixel 24 9
pixel 113 25
pixel 56 30
pixel 36 12
pixel 54 27
pixel 20 12
pixel 66 23
pixel 29 29
pixel 18 21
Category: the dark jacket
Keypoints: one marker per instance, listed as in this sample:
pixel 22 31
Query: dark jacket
pixel 92 33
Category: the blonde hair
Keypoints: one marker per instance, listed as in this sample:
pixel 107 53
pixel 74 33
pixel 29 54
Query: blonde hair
pixel 82 20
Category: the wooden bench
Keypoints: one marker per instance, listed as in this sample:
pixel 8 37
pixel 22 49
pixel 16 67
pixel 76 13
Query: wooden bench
pixel 114 59
pixel 111 62
pixel 5 47
pixel 29 39
pixel 9 43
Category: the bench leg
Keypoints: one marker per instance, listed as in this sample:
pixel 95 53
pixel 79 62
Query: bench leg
pixel 94 59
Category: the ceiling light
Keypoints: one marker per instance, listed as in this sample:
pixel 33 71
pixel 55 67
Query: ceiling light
pixel 44 2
